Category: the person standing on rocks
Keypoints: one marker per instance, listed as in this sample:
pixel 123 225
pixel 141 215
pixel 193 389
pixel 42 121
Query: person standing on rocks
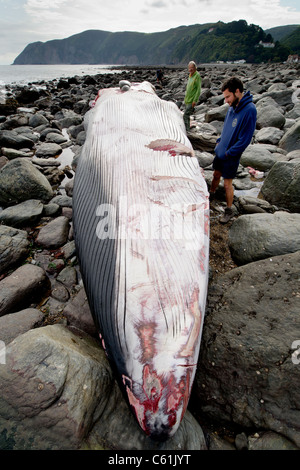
pixel 237 133
pixel 192 93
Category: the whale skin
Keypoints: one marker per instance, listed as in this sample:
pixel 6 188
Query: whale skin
pixel 141 229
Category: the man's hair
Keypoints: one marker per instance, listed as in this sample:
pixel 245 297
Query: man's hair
pixel 233 84
pixel 193 63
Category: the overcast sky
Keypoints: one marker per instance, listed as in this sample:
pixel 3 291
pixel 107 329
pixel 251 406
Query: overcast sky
pixel 26 21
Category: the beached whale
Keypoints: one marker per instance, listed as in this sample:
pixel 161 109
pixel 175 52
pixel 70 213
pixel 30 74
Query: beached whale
pixel 141 228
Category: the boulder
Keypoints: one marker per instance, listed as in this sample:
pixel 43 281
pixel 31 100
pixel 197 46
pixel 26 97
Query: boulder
pixel 257 236
pixel 217 114
pixel 258 157
pixel 282 185
pixel 269 116
pixel 202 141
pixel 295 112
pixel 291 139
pixel 12 139
pixel 246 373
pixel 14 247
pixel 15 153
pixel 65 382
pixel 56 138
pixel 25 285
pixel 205 159
pixel 15 121
pixel 54 234
pixel 282 97
pixel 68 118
pixel 48 150
pixel 270 441
pixel 250 204
pixel 28 95
pixel 37 120
pixel 16 324
pixel 78 314
pixel 25 213
pixel 20 180
pixel 269 135
pixel 70 400
pixel 3 161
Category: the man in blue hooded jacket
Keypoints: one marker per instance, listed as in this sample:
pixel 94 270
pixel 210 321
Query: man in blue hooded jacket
pixel 237 133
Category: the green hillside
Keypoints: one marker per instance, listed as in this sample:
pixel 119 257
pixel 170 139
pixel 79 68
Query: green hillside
pixel 292 41
pixel 280 32
pixel 203 43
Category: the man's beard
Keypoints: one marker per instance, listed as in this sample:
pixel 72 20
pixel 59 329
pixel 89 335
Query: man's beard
pixel 235 102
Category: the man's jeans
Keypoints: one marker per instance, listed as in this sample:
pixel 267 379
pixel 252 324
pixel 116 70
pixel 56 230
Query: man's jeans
pixel 186 117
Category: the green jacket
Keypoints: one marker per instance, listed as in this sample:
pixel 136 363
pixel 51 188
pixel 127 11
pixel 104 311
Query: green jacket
pixel 193 89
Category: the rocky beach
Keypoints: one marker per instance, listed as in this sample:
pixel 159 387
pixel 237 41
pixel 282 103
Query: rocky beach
pixel 57 390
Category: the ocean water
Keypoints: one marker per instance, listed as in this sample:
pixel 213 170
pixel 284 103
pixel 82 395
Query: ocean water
pixel 23 74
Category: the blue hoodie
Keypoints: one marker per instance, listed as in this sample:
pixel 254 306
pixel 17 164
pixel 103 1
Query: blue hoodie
pixel 238 129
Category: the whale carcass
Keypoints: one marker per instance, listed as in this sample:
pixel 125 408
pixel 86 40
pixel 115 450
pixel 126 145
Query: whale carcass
pixel 141 228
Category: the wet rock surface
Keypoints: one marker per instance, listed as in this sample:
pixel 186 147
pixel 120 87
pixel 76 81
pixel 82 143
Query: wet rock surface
pixel 242 397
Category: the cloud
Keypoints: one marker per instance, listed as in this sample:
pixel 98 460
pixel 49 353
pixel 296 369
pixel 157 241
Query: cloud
pixel 25 21
pixel 158 4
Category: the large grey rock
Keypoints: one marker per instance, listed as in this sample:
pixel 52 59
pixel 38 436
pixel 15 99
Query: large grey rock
pixel 270 441
pixel 69 399
pixel 291 139
pixel 282 97
pixel 11 139
pixel 56 138
pixel 21 180
pixel 15 153
pixel 295 112
pixel 14 247
pixel 269 116
pixel 246 374
pixel 48 150
pixel 17 120
pixel 16 324
pixel 78 314
pixel 68 118
pixel 25 285
pixel 217 114
pixel 248 204
pixel 38 120
pixel 282 185
pixel 25 213
pixel 258 157
pixel 201 141
pixel 269 135
pixel 65 382
pixel 54 234
pixel 257 236
pixel 205 159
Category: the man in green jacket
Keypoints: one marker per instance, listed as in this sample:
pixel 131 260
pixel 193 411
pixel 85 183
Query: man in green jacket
pixel 192 93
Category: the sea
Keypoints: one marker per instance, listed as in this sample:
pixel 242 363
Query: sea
pixel 24 74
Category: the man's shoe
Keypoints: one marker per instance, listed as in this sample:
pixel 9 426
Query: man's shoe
pixel 228 214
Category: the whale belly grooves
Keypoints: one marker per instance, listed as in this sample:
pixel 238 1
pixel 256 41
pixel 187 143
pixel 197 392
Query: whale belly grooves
pixel 141 228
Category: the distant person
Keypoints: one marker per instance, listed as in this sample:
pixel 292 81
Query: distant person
pixel 237 133
pixel 192 93
pixel 159 76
